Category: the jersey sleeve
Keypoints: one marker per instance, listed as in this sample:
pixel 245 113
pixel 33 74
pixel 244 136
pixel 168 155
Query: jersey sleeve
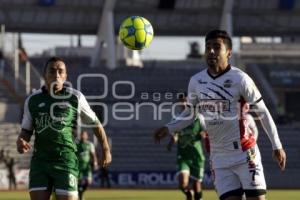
pixel 252 96
pixel 197 128
pixel 92 150
pixel 87 115
pixel 192 97
pixel 200 125
pixel 188 115
pixel 268 124
pixel 202 122
pixel 249 90
pixel 27 118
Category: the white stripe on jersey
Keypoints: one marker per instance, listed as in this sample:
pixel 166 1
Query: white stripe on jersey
pixel 27 118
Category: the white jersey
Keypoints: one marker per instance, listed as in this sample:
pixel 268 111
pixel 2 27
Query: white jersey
pixel 220 99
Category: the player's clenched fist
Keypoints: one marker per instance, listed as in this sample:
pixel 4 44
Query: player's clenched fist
pixel 106 158
pixel 160 134
pixel 22 145
pixel 280 156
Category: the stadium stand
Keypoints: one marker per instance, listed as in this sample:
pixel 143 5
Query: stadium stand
pixel 8 136
pixel 290 139
pixel 133 147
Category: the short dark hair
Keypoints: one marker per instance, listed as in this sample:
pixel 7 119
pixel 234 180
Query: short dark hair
pixel 182 95
pixel 220 34
pixel 51 60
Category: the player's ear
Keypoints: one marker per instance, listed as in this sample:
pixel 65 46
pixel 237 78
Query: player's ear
pixel 229 53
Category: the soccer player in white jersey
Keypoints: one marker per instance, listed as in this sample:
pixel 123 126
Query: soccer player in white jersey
pixel 219 94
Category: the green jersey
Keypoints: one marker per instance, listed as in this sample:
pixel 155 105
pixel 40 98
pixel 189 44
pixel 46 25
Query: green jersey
pixel 84 151
pixel 190 156
pixel 54 119
pixel 189 141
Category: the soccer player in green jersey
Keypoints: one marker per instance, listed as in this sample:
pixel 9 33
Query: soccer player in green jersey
pixel 190 156
pixel 87 162
pixel 52 113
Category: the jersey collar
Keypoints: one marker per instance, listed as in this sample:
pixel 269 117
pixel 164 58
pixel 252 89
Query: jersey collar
pixel 44 90
pixel 217 76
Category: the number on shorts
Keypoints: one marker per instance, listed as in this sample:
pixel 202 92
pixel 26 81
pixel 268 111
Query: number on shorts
pixel 72 180
pixel 253 171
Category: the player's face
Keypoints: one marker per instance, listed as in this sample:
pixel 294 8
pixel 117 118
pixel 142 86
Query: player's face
pixel 84 136
pixel 183 102
pixel 216 53
pixel 55 75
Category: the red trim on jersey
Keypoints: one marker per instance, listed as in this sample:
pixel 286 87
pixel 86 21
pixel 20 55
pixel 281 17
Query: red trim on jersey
pixel 206 142
pixel 247 139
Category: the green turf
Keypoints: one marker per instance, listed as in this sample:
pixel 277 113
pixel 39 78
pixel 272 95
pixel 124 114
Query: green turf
pixel 150 195
pixel 142 195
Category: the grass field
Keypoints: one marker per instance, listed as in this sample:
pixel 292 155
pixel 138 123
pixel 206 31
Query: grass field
pixel 150 195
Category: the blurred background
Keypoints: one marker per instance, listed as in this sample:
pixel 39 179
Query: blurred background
pixel 266 35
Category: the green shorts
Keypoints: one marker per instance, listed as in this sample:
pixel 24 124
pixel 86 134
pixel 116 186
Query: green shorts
pixel 85 174
pixel 193 166
pixel 45 175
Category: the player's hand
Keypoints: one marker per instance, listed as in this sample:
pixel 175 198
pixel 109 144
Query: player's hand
pixel 22 145
pixel 95 166
pixel 169 146
pixel 160 134
pixel 171 143
pixel 280 156
pixel 106 158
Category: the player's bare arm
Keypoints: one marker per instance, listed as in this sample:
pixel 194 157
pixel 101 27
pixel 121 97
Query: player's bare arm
pixel 94 160
pixel 101 136
pixel 173 140
pixel 203 134
pixel 23 145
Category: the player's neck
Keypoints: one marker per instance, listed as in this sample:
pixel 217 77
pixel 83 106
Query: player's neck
pixel 216 70
pixel 54 90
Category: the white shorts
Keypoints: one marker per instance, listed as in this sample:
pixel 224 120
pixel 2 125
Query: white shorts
pixel 246 177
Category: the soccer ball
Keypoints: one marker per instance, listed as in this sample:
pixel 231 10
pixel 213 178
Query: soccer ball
pixel 136 32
